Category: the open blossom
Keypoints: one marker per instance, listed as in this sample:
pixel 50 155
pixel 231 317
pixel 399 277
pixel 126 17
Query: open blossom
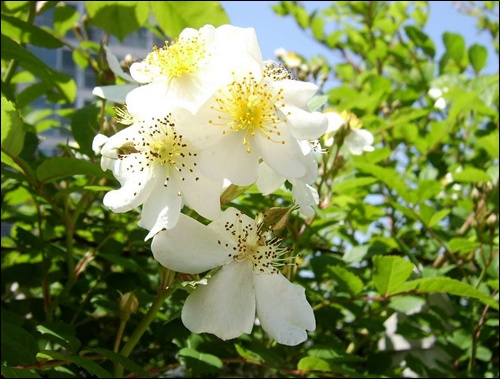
pixel 261 115
pixel 189 69
pixel 247 284
pixel 356 139
pixel 158 169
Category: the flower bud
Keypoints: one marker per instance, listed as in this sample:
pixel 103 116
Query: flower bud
pixel 128 304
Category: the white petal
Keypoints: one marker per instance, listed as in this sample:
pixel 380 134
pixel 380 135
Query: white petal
pixel 282 309
pixel 359 140
pixel 225 306
pixel 335 121
pixel 161 210
pixel 115 93
pixel 268 180
pixel 296 92
pixel 148 101
pixel 98 141
pixel 115 66
pixel 190 247
pixel 304 124
pixel 202 194
pixel 305 196
pixel 283 158
pixel 137 184
pixel 229 159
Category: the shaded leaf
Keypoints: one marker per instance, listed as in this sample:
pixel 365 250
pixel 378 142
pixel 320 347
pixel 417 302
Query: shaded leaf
pixel 390 273
pixel 12 129
pixel 61 167
pixel 87 364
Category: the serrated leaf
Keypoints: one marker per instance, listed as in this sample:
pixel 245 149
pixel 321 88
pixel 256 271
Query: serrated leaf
pixel 390 273
pixel 313 364
pixel 174 16
pixel 446 285
pixel 62 167
pixel 12 129
pixel 347 280
pixel 127 16
pixel 87 364
pixel 125 362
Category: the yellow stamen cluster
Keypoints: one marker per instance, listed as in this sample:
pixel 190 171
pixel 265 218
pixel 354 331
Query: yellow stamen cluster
pixel 250 107
pixel 180 57
pixel 275 72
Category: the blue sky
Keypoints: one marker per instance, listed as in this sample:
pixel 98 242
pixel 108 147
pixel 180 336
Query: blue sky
pixel 274 31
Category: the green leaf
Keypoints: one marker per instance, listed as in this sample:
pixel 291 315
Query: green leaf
pixel 10 372
pixel 64 86
pixel 71 343
pixel 248 355
pixel 85 125
pixel 471 175
pixel 127 16
pixel 174 16
pixel 347 280
pixel 455 46
pixel 449 286
pixel 64 19
pixel 313 364
pixel 317 27
pixel 12 129
pixel 407 303
pixel 437 216
pixel 200 363
pixel 18 346
pixel 351 184
pixel 61 167
pixel 125 362
pixel 24 32
pixel 316 102
pixel 420 39
pixel 490 143
pixel 387 175
pixel 461 245
pixel 390 273
pixel 85 363
pixel 478 55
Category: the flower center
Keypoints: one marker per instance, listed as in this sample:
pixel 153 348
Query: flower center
pixel 253 246
pixel 160 144
pixel 250 107
pixel 181 56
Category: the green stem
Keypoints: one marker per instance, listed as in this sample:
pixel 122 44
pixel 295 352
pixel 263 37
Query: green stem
pixel 143 326
pixel 119 335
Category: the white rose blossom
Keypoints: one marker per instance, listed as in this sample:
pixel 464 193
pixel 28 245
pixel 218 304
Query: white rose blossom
pixel 248 283
pixel 189 69
pixel 260 116
pixel 158 169
pixel 356 140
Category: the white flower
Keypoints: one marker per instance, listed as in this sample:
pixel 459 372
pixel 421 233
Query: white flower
pixel 357 140
pixel 303 193
pixel 437 94
pixel 261 115
pixel 247 284
pixel 159 169
pixel 116 93
pixel 189 69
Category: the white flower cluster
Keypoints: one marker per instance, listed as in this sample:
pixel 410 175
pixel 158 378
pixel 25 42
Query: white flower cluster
pixel 206 110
